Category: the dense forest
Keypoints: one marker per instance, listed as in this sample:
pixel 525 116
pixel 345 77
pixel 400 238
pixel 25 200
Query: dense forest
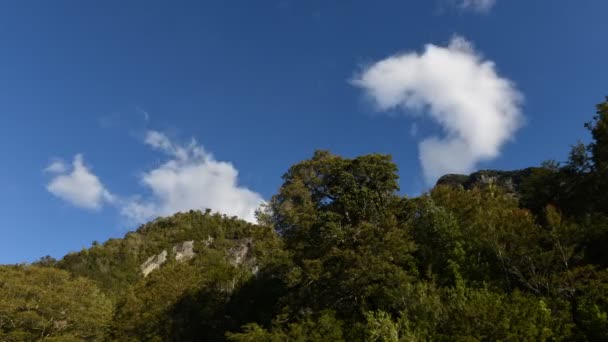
pixel 339 255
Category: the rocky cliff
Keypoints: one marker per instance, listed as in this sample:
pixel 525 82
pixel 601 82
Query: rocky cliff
pixel 511 181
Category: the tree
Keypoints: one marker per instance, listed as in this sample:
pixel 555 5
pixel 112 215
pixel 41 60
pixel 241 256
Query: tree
pixel 44 303
pixel 599 132
pixel 323 327
pixel 347 231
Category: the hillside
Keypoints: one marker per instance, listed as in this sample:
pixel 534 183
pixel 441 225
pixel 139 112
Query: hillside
pixel 209 257
pixel 118 263
pixel 339 255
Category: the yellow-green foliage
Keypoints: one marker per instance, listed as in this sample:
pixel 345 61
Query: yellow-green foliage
pixel 340 255
pixel 43 303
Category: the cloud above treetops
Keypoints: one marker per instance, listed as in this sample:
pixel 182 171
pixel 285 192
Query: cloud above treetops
pixel 477 109
pixel 189 179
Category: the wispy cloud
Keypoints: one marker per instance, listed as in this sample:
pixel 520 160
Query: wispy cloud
pixel 144 113
pixel 57 166
pixel 477 5
pixel 132 116
pixel 190 178
pixel 77 185
pixel 455 86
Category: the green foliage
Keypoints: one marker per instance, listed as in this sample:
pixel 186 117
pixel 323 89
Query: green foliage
pixel 339 255
pixel 325 327
pixel 483 315
pixel 599 132
pixel 343 221
pixel 44 303
pixel 381 328
pixel 114 266
pixel 463 314
pixel 440 242
pixel 212 295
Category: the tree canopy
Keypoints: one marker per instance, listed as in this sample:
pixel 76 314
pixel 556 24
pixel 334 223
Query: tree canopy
pixel 339 254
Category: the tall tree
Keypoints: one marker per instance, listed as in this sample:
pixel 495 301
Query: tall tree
pixel 346 227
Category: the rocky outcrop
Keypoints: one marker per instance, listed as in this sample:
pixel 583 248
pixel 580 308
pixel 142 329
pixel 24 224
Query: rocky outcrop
pixel 509 180
pixel 208 241
pixel 153 262
pixel 241 252
pixel 184 251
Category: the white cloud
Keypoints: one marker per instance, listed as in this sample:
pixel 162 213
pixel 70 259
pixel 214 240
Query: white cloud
pixel 190 179
pixel 159 141
pixel 477 5
pixel 79 186
pixel 144 113
pixel 456 87
pixel 57 166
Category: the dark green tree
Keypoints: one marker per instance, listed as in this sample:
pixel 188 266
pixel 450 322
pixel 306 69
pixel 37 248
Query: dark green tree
pixel 347 230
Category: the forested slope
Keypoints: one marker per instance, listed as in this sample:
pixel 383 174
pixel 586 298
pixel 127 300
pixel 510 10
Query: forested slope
pixel 339 254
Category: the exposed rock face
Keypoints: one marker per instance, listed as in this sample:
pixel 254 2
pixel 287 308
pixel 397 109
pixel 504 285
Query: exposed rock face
pixel 509 180
pixel 209 241
pixel 184 251
pixel 153 262
pixel 61 324
pixel 241 252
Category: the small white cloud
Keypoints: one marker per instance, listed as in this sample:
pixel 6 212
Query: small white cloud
pixel 477 5
pixel 144 113
pixel 57 166
pixel 478 109
pixel 79 186
pixel 139 212
pixel 159 141
pixel 190 179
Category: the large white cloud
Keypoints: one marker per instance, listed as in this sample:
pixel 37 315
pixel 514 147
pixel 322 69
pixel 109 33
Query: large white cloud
pixel 78 186
pixel 190 179
pixel 477 109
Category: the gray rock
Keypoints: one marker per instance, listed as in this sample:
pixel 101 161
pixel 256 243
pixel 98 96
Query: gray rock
pixel 153 262
pixel 509 180
pixel 184 251
pixel 240 252
pixel 209 241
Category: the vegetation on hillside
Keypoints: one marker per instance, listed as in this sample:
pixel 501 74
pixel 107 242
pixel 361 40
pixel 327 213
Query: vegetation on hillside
pixel 339 255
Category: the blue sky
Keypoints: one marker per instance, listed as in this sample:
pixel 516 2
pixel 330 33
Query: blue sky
pixel 113 112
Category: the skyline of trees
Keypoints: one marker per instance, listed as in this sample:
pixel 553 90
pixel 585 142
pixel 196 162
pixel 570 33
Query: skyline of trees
pixel 339 255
